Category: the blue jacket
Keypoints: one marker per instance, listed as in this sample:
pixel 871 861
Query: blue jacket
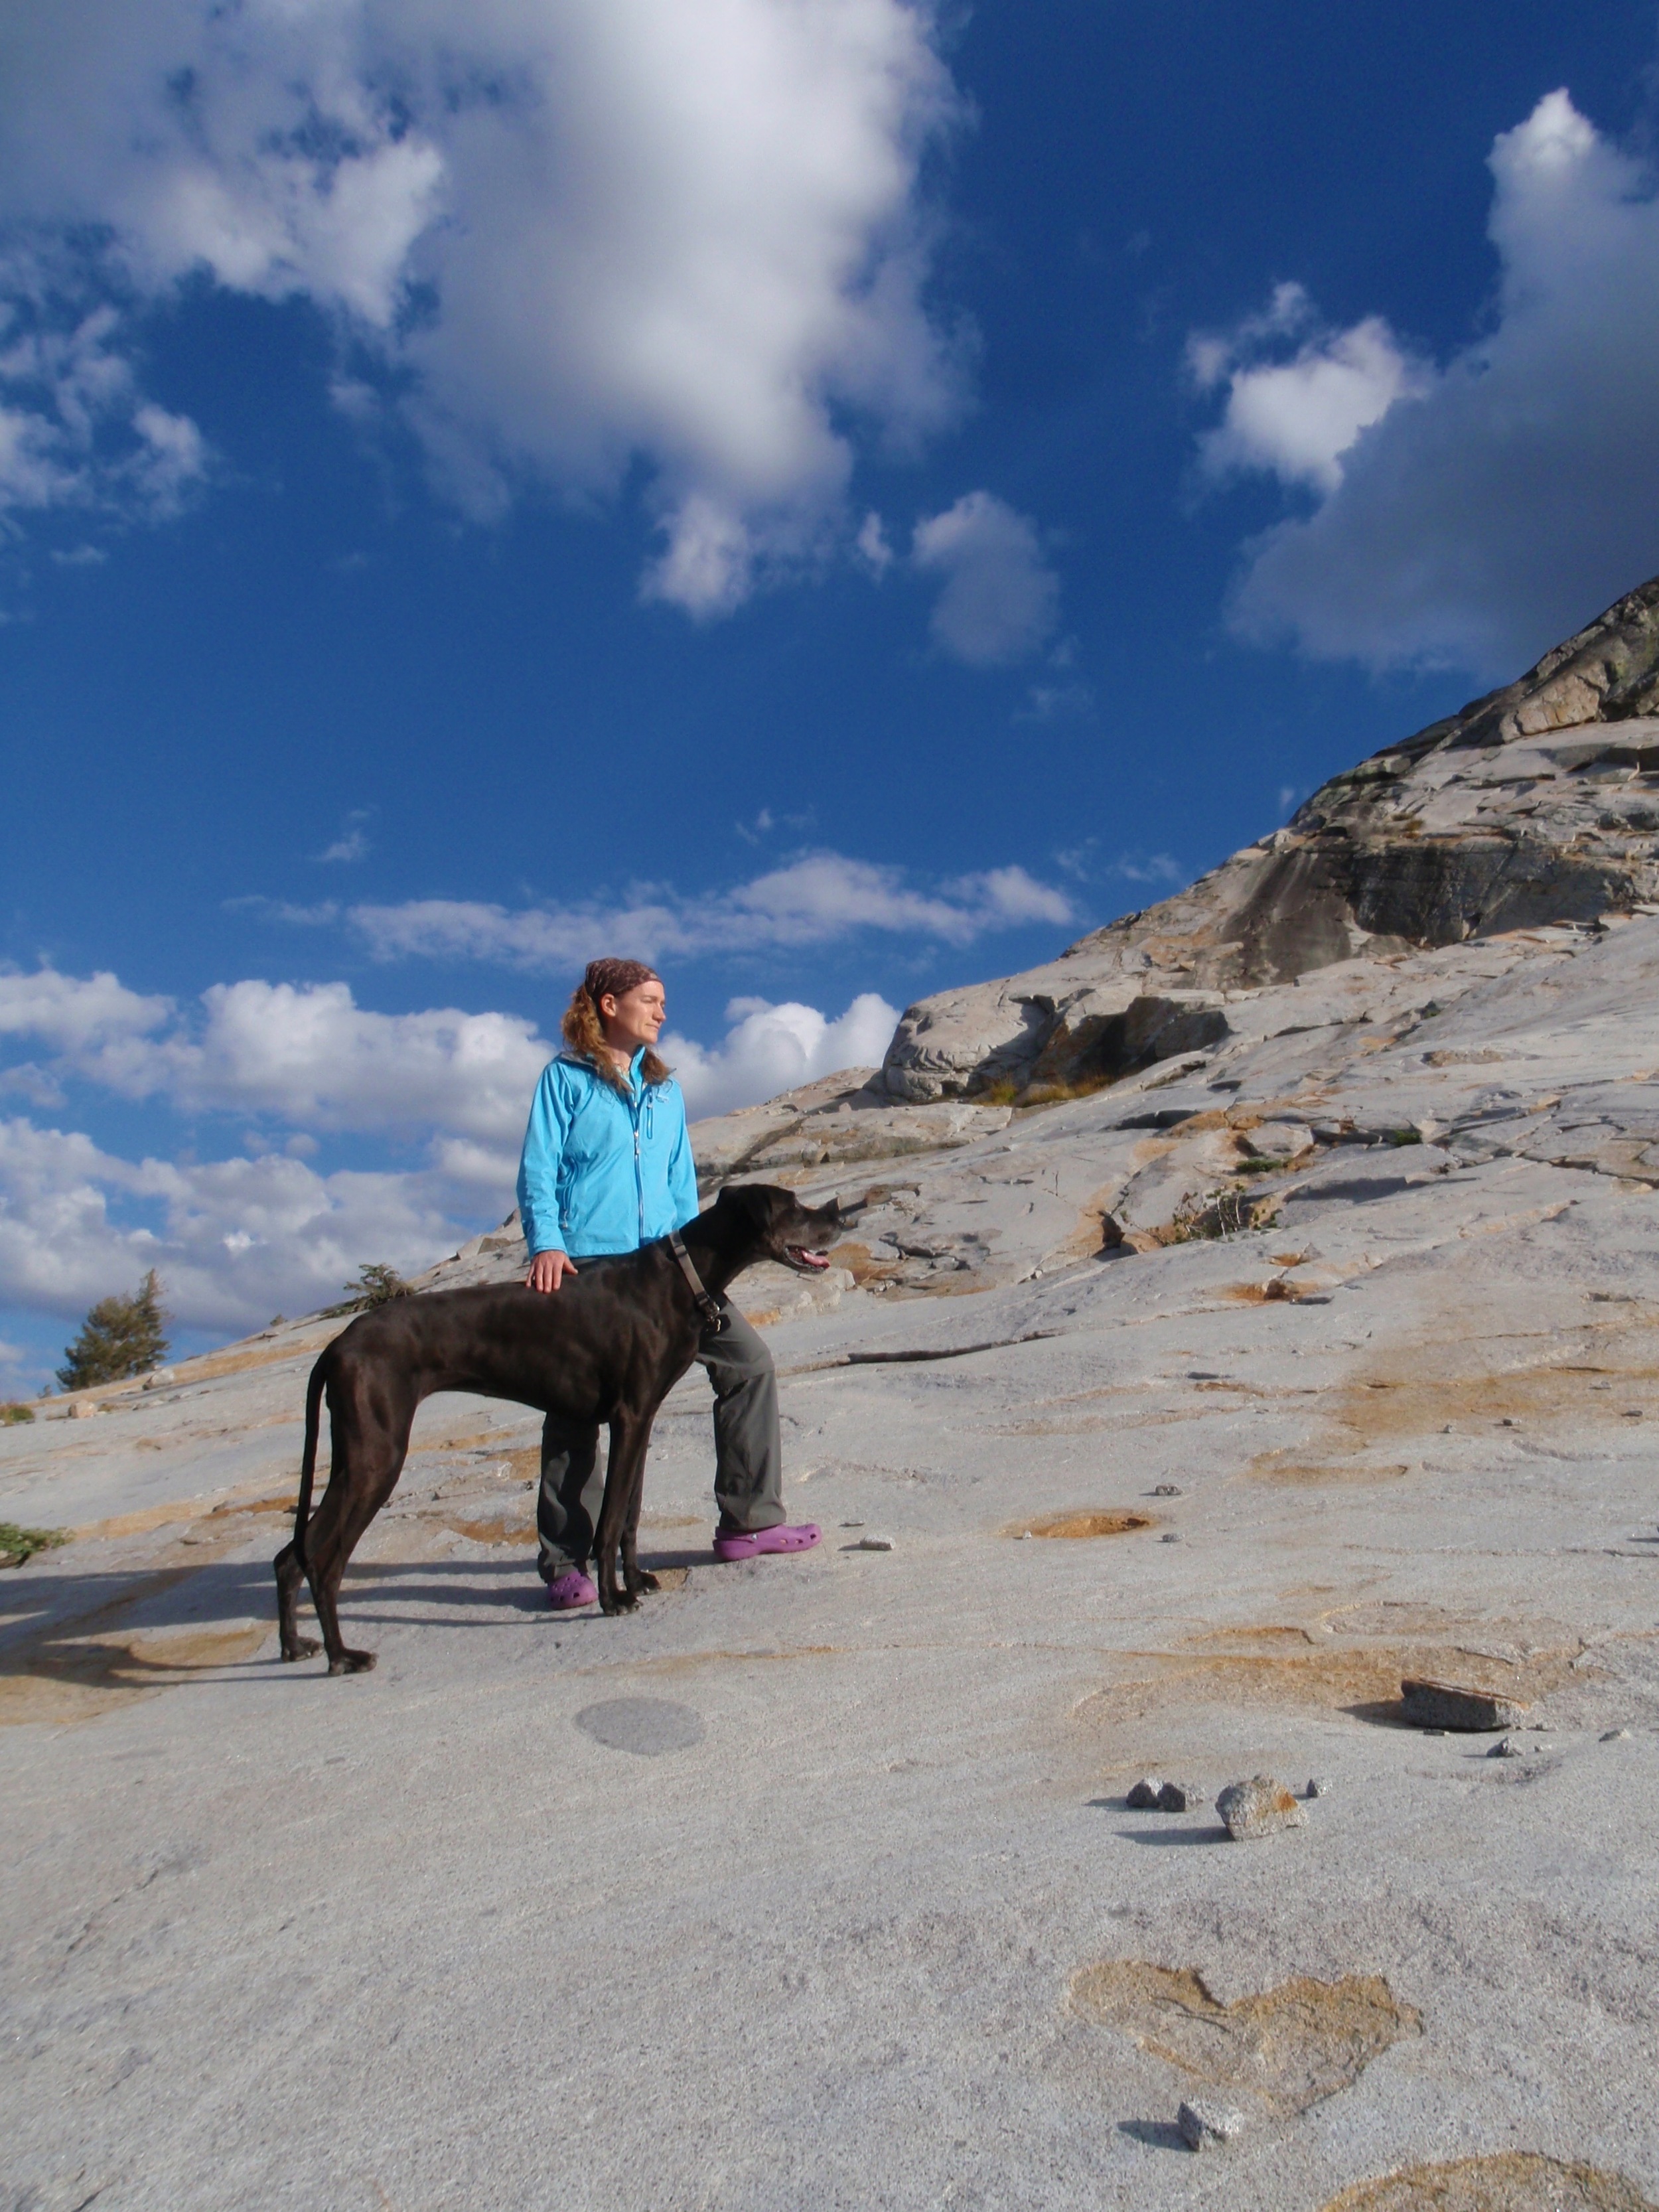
pixel 600 1172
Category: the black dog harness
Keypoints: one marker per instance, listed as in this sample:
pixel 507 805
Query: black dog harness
pixel 712 1311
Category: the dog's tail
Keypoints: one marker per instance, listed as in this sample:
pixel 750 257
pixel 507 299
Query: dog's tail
pixel 308 1464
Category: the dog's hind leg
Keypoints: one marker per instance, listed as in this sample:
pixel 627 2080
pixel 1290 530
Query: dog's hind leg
pixel 330 1548
pixel 624 1476
pixel 371 1438
pixel 291 1574
pixel 290 1561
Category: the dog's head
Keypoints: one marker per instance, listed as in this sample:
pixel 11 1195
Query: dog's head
pixel 778 1227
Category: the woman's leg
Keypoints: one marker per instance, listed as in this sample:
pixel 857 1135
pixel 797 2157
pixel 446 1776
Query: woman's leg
pixel 748 1447
pixel 573 1485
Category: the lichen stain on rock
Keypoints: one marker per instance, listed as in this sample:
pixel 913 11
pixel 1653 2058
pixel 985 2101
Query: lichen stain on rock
pixel 1287 2048
pixel 509 1526
pixel 1356 1668
pixel 1416 1393
pixel 1513 2181
pixel 1291 1470
pixel 1277 1638
pixel 692 1662
pixel 1422 1386
pixel 1082 1521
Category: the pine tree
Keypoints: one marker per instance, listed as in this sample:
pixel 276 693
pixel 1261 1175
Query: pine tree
pixel 376 1285
pixel 119 1337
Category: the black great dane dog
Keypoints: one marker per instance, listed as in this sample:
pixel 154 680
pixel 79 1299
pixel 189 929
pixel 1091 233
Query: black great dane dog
pixel 607 1346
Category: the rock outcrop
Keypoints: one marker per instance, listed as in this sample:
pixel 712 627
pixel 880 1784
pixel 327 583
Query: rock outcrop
pixel 1536 805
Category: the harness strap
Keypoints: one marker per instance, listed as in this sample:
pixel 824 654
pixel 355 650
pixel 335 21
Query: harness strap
pixel 712 1311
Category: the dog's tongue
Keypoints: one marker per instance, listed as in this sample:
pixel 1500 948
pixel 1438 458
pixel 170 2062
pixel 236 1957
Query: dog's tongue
pixel 808 1259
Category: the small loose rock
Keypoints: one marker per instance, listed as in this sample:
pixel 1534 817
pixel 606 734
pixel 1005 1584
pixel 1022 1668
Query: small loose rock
pixel 1166 1490
pixel 1144 1795
pixel 873 1544
pixel 1430 1705
pixel 1261 1807
pixel 1509 1747
pixel 1168 1537
pixel 1318 1787
pixel 1205 2125
pixel 1616 1735
pixel 1176 1797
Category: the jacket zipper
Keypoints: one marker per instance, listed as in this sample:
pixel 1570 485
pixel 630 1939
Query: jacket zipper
pixel 639 1165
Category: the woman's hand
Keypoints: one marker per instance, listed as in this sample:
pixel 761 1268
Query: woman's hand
pixel 548 1270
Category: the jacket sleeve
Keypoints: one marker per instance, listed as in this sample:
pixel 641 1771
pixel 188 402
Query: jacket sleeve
pixel 682 1169
pixel 539 1164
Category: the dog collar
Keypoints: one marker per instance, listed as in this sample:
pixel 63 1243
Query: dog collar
pixel 712 1311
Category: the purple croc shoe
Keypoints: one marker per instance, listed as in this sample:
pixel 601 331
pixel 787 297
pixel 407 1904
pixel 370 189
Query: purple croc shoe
pixel 747 1543
pixel 570 1589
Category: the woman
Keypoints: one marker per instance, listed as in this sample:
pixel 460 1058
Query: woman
pixel 606 1168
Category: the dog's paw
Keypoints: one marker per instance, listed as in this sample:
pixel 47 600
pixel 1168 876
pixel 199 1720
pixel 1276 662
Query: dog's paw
pixel 303 1647
pixel 643 1580
pixel 351 1662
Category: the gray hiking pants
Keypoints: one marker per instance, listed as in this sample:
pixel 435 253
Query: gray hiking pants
pixel 748 1452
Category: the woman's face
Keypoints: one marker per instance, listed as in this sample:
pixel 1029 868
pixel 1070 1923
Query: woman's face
pixel 634 1018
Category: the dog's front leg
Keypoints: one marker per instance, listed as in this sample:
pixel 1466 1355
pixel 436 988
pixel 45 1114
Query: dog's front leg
pixel 624 1469
pixel 637 1580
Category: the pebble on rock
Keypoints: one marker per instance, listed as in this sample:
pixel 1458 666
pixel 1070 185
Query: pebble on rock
pixel 1261 1807
pixel 1509 1747
pixel 1145 1795
pixel 1318 1787
pixel 1615 1735
pixel 873 1544
pixel 1176 1797
pixel 1205 2125
pixel 1430 1705
pixel 1166 1490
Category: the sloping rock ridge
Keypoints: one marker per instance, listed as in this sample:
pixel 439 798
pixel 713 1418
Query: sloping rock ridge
pixel 1537 805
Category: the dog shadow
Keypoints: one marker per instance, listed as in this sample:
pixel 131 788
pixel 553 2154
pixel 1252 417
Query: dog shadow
pixel 382 1590
pixel 52 1621
pixel 79 1602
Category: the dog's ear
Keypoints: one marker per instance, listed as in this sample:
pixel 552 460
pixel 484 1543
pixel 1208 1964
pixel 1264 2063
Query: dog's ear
pixel 753 1202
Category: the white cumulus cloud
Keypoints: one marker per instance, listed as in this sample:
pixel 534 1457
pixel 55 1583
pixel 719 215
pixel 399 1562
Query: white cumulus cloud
pixel 233 1240
pixel 559 236
pixel 1297 418
pixel 306 1055
pixel 1469 514
pixel 820 898
pixel 769 1048
pixel 999 599
pixel 75 430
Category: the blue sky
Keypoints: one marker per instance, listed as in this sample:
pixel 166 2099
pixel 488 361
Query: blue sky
pixel 836 497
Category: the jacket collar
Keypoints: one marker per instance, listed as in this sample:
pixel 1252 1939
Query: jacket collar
pixel 634 1066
